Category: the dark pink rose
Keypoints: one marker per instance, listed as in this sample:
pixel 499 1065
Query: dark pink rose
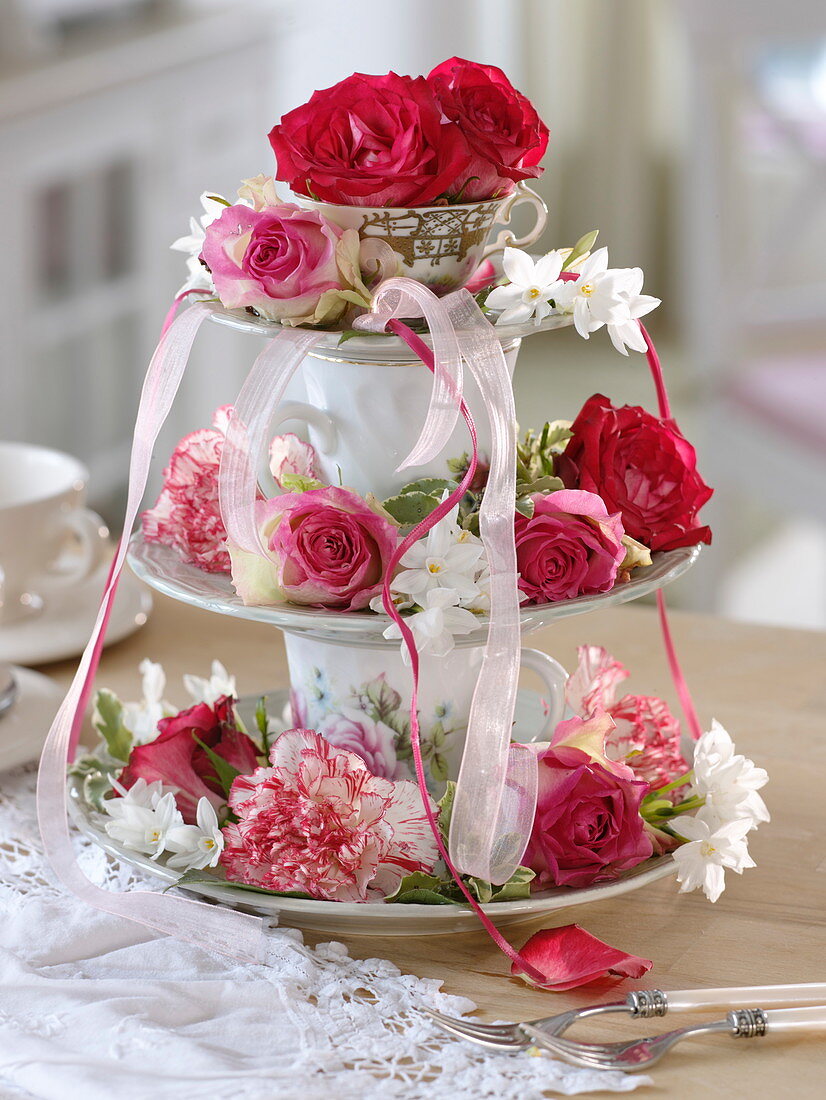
pixel 186 515
pixel 179 761
pixel 506 135
pixel 374 742
pixel 371 141
pixel 326 548
pixel 279 261
pixel 642 467
pixel 570 547
pixel 587 826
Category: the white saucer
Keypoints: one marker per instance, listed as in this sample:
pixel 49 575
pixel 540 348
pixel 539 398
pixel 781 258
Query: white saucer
pixel 62 629
pixel 378 919
pixel 24 726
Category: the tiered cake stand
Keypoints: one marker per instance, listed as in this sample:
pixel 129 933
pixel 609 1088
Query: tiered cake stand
pixel 162 569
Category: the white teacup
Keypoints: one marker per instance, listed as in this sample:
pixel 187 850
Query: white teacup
pixel 48 539
pixel 358 697
pixel 440 246
pixel 364 417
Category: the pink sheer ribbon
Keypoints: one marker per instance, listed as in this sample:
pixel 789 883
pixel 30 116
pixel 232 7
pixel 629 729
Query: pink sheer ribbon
pixel 248 434
pixel 233 933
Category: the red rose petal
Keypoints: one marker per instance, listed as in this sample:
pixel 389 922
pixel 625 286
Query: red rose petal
pixel 570 957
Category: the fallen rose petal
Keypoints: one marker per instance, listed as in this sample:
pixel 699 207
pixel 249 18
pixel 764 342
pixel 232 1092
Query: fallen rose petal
pixel 570 957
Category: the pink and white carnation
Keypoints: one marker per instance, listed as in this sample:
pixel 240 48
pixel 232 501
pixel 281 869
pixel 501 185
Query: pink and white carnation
pixel 186 515
pixel 646 734
pixel 279 261
pixel 373 742
pixel 325 548
pixel 318 822
pixel 291 456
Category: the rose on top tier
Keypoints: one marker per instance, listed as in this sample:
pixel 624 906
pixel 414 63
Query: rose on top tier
pixel 462 134
pixel 280 261
pixel 641 466
pixel 325 548
pixel 505 134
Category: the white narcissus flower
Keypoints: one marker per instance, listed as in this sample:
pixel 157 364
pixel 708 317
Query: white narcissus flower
pixel 627 332
pixel 447 558
pixel 711 848
pixel 199 278
pixel 196 846
pixel 139 827
pixel 436 624
pixel 141 719
pixel 209 691
pixel 533 285
pixel 728 781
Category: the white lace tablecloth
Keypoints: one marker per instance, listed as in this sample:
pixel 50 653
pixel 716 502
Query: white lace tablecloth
pixel 94 1007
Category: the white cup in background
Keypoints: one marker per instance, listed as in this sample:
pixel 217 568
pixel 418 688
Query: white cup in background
pixel 48 539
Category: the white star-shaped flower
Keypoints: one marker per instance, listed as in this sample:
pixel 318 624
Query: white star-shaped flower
pixel 141 719
pixel 193 242
pixel 709 852
pixel 140 827
pixel 196 846
pixel 448 557
pixel 728 781
pixel 533 285
pixel 210 691
pixel 435 626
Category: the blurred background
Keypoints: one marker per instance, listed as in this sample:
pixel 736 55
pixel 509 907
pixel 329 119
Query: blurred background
pixel 693 135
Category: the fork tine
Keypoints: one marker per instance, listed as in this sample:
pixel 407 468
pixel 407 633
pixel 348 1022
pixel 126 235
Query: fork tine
pixel 494 1036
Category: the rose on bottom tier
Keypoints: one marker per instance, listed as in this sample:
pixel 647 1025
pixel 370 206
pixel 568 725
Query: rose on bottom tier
pixel 358 698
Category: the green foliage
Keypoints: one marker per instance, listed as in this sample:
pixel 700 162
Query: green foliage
pixel 204 878
pixel 584 245
pixel 410 508
pixel 107 719
pixel 226 772
pixel 298 483
pixel 262 723
pixel 95 776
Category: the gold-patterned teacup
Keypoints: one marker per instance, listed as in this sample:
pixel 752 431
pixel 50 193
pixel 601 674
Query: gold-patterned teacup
pixel 440 246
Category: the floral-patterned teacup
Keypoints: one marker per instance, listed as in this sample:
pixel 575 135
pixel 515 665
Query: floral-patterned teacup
pixel 358 698
pixel 440 246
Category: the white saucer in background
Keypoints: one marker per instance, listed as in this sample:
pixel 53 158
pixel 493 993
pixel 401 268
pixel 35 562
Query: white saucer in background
pixel 24 726
pixel 61 630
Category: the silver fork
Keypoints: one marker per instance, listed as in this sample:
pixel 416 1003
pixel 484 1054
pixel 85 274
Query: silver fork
pixel 640 1054
pixel 642 1004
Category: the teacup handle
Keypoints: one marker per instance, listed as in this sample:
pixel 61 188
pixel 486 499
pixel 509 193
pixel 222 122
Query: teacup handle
pixel 94 546
pixel 506 239
pixel 555 677
pixel 309 414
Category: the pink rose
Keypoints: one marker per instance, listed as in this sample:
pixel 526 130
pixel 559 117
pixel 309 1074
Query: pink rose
pixel 371 141
pixel 186 515
pixel 179 761
pixel 570 547
pixel 587 826
pixel 279 261
pixel 506 135
pixel 373 742
pixel 326 548
pixel 646 734
pixel 317 821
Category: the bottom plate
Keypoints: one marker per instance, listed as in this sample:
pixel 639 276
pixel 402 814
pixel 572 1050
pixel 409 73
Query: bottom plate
pixel 377 918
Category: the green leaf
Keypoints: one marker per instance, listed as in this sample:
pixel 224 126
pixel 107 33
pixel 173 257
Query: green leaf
pixel 439 768
pixel 96 786
pixel 350 334
pixel 420 889
pixel 107 719
pixel 423 897
pixel 298 483
pixel 445 805
pixel 517 887
pixel 429 485
pixel 585 243
pixel 262 722
pixel 223 769
pixel 525 506
pixel 385 700
pixel 411 508
pixel 203 878
pixel 481 890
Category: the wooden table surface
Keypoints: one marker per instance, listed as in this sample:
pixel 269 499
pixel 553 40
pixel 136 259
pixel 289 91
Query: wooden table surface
pixel 767 686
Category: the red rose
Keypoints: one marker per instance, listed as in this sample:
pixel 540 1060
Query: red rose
pixel 371 141
pixel 587 826
pixel 176 758
pixel 642 467
pixel 506 135
pixel 570 547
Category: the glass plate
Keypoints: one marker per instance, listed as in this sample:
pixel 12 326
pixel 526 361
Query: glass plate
pixel 377 918
pixel 161 567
